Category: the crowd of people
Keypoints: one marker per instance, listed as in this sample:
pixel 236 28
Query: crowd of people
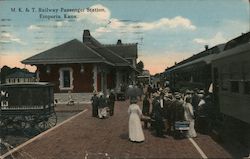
pixel 172 113
pixel 102 106
pixel 162 111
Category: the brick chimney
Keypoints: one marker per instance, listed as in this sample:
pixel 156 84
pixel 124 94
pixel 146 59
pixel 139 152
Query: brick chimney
pixel 119 42
pixel 86 36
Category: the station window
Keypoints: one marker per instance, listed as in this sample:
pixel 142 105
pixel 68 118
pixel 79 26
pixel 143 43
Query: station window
pixel 247 87
pixel 66 79
pixel 235 86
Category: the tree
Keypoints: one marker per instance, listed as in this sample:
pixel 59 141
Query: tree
pixel 140 66
pixel 5 70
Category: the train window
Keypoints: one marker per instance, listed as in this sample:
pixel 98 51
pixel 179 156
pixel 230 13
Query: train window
pixel 235 86
pixel 224 79
pixel 247 87
pixel 224 85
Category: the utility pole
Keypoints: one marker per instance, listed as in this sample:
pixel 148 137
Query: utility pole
pixel 249 14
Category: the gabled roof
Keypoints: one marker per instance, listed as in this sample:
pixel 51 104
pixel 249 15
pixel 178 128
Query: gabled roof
pixel 72 51
pixel 113 57
pixel 124 50
pixel 88 51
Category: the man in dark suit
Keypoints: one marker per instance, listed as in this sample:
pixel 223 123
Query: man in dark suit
pixel 168 112
pixel 111 103
pixel 159 115
pixel 178 111
pixel 145 110
pixel 94 100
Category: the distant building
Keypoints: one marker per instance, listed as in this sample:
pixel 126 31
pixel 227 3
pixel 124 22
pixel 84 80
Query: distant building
pixel 144 78
pixel 145 73
pixel 20 77
pixel 82 67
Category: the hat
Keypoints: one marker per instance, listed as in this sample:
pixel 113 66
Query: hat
pixel 188 98
pixel 169 95
pixel 177 95
pixel 162 93
pixel 156 94
pixel 188 91
pixel 133 99
pixel 100 94
pixel 201 91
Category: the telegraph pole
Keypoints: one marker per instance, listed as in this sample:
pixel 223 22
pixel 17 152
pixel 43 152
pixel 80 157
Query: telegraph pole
pixel 248 15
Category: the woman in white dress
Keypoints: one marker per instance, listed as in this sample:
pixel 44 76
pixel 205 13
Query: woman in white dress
pixel 189 116
pixel 135 126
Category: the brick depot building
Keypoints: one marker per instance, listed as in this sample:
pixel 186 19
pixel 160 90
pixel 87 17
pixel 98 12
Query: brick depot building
pixel 82 67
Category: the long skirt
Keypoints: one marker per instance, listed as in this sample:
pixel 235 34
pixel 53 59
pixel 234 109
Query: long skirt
pixel 135 128
pixel 191 131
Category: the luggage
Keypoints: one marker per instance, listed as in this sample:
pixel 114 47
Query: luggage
pixel 181 125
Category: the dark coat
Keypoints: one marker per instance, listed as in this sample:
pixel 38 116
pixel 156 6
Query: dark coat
pixel 155 100
pixel 102 102
pixel 195 102
pixel 112 98
pixel 167 108
pixel 158 117
pixel 145 107
pixel 94 100
pixel 178 110
pixel 157 111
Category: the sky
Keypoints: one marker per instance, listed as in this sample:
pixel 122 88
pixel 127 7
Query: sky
pixel 167 31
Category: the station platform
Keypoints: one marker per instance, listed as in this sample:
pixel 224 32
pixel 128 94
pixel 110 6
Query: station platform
pixel 84 136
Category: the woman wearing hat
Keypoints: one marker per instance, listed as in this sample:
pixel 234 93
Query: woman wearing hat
pixel 189 116
pixel 135 127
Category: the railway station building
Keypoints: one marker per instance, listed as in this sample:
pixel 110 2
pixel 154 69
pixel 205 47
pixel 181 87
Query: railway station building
pixel 82 67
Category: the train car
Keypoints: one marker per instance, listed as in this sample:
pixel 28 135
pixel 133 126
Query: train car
pixel 231 86
pixel 231 77
pixel 194 72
